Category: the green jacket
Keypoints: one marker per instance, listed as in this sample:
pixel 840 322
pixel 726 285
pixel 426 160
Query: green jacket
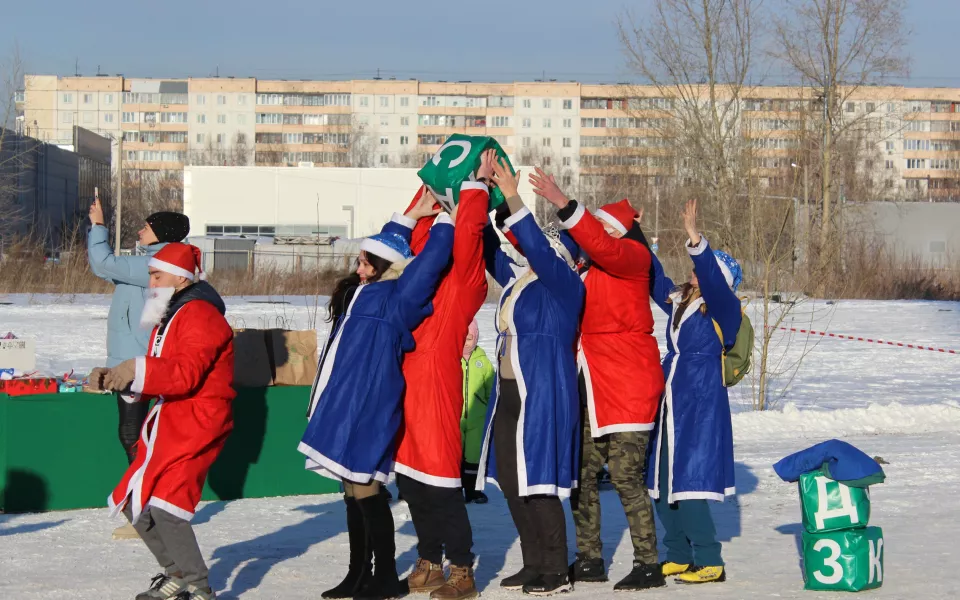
pixel 478 381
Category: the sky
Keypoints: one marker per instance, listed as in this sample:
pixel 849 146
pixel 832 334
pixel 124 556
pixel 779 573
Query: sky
pixel 496 40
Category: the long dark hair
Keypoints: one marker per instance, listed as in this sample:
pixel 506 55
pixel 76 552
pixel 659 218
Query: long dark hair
pixel 688 293
pixel 345 289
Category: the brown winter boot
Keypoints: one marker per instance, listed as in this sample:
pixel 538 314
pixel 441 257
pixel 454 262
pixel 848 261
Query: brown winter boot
pixel 459 586
pixel 426 577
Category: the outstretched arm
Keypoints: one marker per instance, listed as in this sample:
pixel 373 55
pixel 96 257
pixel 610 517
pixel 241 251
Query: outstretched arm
pixel 419 280
pixel 131 270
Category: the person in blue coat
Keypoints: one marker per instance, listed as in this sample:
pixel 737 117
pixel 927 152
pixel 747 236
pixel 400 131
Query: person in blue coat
pixel 531 444
pixel 356 403
pixel 691 457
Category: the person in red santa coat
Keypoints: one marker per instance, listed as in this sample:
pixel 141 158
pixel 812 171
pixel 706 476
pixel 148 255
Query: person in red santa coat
pixel 189 370
pixel 430 451
pixel 621 380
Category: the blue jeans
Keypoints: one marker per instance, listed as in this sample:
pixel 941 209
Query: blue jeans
pixel 691 537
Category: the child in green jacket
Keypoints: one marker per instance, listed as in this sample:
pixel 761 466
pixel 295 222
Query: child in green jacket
pixel 478 380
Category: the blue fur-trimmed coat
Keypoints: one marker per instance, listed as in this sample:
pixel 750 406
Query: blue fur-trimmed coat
pixel 695 407
pixel 356 404
pixel 544 324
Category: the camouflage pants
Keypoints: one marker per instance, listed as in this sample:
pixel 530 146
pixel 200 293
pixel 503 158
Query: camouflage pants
pixel 625 456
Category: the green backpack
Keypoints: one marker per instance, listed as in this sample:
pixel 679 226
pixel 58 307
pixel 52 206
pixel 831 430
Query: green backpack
pixel 736 361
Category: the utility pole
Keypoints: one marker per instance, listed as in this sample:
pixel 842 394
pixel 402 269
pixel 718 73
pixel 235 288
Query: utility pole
pixel 119 206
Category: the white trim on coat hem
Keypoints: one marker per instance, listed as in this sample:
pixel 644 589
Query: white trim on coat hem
pixel 574 218
pixel 622 428
pixel 434 480
pixel 171 508
pixel 679 496
pixel 140 375
pixel 334 470
pixel 403 220
pixel 515 218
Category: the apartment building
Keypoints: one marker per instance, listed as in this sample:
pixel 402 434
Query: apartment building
pixel 582 132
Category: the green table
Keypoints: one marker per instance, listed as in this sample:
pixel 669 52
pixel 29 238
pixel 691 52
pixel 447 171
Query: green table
pixel 60 451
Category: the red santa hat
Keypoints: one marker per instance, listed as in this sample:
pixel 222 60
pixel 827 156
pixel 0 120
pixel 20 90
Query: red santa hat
pixel 179 259
pixel 619 215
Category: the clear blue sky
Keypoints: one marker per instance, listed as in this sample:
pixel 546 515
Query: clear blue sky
pixel 495 40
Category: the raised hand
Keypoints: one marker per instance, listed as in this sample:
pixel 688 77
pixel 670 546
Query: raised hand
pixel 424 206
pixel 96 213
pixel 506 181
pixel 690 221
pixel 487 160
pixel 546 187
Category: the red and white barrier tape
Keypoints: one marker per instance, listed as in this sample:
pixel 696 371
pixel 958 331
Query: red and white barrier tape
pixel 840 336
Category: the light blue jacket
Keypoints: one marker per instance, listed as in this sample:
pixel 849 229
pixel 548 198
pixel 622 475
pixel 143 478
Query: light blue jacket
pixel 125 338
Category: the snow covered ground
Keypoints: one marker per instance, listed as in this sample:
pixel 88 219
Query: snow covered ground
pixel 900 404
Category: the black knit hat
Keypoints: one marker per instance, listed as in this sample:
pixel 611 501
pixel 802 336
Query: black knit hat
pixel 169 226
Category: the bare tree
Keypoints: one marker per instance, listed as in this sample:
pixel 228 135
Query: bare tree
pixel 837 47
pixel 359 150
pixel 546 158
pixel 15 149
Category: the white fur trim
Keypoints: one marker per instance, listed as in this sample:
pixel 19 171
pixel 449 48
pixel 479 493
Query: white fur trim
pixel 403 220
pixel 727 275
pixel 677 497
pixel 140 376
pixel 166 267
pixel 474 185
pixel 622 428
pixel 515 218
pixel 380 249
pixel 574 218
pixel 444 219
pixel 171 508
pixel 698 249
pixel 611 221
pixel 329 357
pixel 330 469
pixel 434 480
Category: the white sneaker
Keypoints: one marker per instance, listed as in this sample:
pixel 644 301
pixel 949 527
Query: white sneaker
pixel 126 532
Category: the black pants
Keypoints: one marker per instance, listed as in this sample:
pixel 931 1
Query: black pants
pixel 440 519
pixel 132 416
pixel 539 519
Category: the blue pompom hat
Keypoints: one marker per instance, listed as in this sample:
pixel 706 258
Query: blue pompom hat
pixel 388 246
pixel 731 269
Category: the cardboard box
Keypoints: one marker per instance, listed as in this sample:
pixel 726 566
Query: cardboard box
pixel 18 354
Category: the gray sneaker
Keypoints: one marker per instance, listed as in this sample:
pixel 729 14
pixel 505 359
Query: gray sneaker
pixel 192 592
pixel 163 587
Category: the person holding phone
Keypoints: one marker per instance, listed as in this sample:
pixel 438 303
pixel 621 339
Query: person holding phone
pixel 125 338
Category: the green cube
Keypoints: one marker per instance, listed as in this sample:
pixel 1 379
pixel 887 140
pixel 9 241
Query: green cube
pixel 843 561
pixel 829 505
pixel 457 161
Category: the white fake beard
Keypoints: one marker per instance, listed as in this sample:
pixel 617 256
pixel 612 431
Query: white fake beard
pixel 156 301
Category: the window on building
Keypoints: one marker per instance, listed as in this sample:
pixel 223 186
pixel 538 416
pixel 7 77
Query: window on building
pixel 108 99
pixel 68 98
pixel 566 180
pixel 200 138
pixel 527 103
pixel 916 163
pixel 384 102
pixel 567 123
pixel 221 100
pixel 889 164
pixel 384 121
pixel 201 118
pixel 525 142
pixel 547 123
pixel 405 159
pixel 546 142
pixel 547 103
pixel 891 146
pixel 201 99
pixel 870 107
pixel 66 118
pixel 526 123
pixel 88 98
pixel 567 142
pixel 384 159
pixel 129 117
pixel 222 119
pixel 364 101
pixel 546 161
pixel 108 118
pixel 568 105
pixel 220 138
pixel 404 140
pixel 384 141
pixel 566 161
pixel 404 121
pixel 242 100
pixel 500 122
pixel 404 101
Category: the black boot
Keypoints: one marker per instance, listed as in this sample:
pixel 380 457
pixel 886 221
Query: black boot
pixel 589 570
pixel 378 519
pixel 469 481
pixel 642 577
pixel 529 544
pixel 548 585
pixel 360 554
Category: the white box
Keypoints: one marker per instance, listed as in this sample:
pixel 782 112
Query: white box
pixel 18 354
